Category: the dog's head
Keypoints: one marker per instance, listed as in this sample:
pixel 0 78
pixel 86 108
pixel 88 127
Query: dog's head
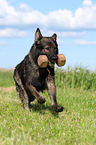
pixel 46 46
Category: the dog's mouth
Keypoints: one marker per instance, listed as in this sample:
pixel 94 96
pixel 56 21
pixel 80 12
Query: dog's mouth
pixel 54 59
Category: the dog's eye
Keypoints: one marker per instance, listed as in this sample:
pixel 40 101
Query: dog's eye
pixel 47 48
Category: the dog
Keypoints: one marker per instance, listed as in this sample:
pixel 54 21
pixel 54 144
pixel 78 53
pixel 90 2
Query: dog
pixel 30 78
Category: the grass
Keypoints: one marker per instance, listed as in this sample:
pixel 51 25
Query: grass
pixel 6 79
pixel 78 77
pixel 75 125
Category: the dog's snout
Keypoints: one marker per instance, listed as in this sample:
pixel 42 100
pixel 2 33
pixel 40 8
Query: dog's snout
pixel 54 57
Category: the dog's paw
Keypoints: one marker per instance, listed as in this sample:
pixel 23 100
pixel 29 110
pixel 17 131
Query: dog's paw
pixel 57 108
pixel 26 107
pixel 41 101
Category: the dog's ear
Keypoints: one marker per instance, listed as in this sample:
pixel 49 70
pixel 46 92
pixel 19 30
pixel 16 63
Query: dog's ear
pixel 54 36
pixel 38 35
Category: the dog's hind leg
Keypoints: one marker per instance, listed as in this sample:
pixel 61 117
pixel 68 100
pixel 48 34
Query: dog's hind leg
pixel 21 90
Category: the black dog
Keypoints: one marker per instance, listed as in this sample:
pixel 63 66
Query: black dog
pixel 31 78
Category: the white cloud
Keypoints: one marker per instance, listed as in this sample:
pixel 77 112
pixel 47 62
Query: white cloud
pixel 83 18
pixel 87 2
pixel 3 43
pixel 9 32
pixel 24 7
pixel 64 34
pixel 84 42
pixel 71 34
pixel 23 15
pixel 57 21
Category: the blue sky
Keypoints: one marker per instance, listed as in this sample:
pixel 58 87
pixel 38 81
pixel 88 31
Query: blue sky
pixel 73 21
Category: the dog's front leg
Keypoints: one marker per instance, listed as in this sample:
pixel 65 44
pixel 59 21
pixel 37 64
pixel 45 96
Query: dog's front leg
pixel 52 93
pixel 36 94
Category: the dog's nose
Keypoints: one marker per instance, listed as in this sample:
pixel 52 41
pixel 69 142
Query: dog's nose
pixel 54 57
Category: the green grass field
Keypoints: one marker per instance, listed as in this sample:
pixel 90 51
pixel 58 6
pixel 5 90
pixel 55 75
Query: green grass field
pixel 76 125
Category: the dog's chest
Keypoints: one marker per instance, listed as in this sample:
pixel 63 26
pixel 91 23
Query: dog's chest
pixel 39 80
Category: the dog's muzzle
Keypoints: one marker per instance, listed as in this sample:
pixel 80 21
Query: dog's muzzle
pixel 54 59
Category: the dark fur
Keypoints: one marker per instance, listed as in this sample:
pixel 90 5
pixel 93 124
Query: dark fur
pixel 30 78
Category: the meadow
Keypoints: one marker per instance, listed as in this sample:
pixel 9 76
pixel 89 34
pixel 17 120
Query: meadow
pixel 76 125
